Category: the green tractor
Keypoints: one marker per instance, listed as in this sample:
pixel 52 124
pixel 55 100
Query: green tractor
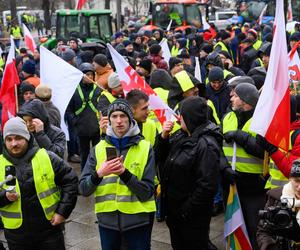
pixel 90 26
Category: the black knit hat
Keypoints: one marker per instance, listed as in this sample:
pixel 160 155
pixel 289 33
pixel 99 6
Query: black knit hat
pixel 248 93
pixel 120 105
pixel 173 61
pixel 216 74
pixel 100 59
pixel 155 49
pixel 207 48
pixel 27 87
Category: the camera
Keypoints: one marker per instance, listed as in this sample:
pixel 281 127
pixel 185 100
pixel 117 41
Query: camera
pixel 278 217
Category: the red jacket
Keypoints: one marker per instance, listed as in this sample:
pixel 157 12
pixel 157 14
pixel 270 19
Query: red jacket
pixel 284 160
pixel 159 62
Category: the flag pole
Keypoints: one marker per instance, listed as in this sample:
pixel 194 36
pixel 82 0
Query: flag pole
pixel 16 96
pixel 97 84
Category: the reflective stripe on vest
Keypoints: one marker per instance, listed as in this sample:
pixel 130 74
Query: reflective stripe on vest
pixel 112 194
pixel 149 131
pixel 90 103
pixel 215 115
pixel 277 178
pixel 184 81
pixel 257 44
pixel 244 162
pixel 46 189
pixel 261 63
pixel 108 95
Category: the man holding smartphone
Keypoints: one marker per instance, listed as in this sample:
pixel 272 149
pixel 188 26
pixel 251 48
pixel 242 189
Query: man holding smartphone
pixel 124 186
pixel 38 191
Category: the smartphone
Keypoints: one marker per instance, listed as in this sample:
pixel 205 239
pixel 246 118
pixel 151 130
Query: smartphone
pixel 111 153
pixel 10 170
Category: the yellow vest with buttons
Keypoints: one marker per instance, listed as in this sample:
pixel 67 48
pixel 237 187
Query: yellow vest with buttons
pixel 46 189
pixel 245 162
pixel 277 178
pixel 112 194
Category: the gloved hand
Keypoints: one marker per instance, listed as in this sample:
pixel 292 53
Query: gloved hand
pixel 230 136
pixel 262 141
pixel 230 175
pixel 238 136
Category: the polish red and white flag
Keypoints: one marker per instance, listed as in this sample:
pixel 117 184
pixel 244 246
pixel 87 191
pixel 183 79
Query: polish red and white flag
pixel 10 80
pixel 271 117
pixel 29 41
pixel 130 79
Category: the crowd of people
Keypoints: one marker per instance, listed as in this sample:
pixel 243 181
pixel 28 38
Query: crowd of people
pixel 137 166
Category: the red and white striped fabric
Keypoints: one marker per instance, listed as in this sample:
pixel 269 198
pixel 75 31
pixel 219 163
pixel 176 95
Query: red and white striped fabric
pixel 29 41
pixel 10 79
pixel 271 117
pixel 130 79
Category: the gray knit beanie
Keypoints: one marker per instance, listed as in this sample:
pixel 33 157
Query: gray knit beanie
pixel 16 126
pixel 113 80
pixel 248 93
pixel 120 105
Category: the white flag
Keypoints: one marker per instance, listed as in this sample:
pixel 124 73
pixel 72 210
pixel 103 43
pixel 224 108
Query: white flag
pixel 165 49
pixel 169 25
pixel 206 25
pixel 62 78
pixel 294 70
pixel 198 70
pixel 262 13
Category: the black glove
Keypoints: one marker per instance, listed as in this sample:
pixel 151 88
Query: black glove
pixel 230 175
pixel 270 148
pixel 238 136
pixel 230 136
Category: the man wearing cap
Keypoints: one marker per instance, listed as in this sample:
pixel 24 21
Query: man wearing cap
pixel 124 185
pixel 69 56
pixel 27 91
pixel 247 54
pixel 249 155
pixel 252 34
pixel 73 43
pixel 83 112
pixel 224 39
pixel 156 57
pixel 103 70
pixel 175 65
pixel 144 68
pixel 46 135
pixel 28 72
pixel 44 93
pixel 270 237
pixel 41 194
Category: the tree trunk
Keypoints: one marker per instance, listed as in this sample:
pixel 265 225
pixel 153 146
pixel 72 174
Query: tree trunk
pixel 107 4
pixel 47 16
pixel 13 10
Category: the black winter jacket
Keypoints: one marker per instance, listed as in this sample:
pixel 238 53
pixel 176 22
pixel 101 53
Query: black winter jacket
pixel 248 57
pixel 35 223
pixel 51 138
pixel 85 123
pixel 189 171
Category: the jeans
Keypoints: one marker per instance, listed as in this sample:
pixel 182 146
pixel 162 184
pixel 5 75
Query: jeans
pixel 84 142
pixel 135 239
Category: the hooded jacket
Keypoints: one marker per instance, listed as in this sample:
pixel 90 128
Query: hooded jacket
pixel 51 138
pixel 35 224
pixel 189 167
pixel 143 189
pixel 85 123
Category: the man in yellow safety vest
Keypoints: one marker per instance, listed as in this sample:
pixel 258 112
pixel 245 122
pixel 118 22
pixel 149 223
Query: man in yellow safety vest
pixel 38 191
pixel 120 173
